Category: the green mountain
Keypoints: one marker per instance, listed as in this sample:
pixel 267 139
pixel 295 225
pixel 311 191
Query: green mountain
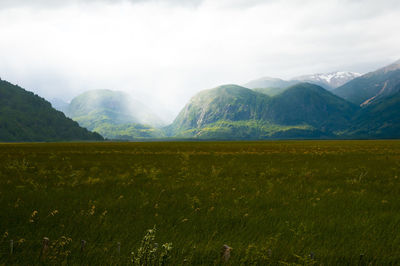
pixel 372 86
pixel 115 115
pixel 25 116
pixel 380 119
pixel 310 104
pixel 228 102
pixel 230 111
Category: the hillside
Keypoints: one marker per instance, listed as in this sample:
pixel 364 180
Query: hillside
pixel 233 112
pixel 312 105
pixel 115 115
pixel 25 116
pixel 380 119
pixel 372 86
pixel 117 106
pixel 228 102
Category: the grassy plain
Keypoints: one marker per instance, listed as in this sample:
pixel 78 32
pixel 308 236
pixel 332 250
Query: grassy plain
pixel 272 202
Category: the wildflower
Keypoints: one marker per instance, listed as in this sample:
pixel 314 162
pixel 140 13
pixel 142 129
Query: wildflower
pixel 33 216
pixel 92 210
pixel 53 213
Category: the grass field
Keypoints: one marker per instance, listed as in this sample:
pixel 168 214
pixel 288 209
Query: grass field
pixel 272 202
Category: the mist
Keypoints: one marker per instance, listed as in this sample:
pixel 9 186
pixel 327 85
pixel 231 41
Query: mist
pixel 164 52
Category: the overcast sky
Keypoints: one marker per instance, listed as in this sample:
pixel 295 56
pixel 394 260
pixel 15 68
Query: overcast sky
pixel 163 52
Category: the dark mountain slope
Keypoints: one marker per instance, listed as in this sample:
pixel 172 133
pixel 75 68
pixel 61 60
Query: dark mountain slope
pixel 372 86
pixel 381 119
pixel 25 116
pixel 310 104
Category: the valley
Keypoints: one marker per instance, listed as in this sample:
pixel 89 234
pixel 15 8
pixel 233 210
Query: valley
pixel 337 105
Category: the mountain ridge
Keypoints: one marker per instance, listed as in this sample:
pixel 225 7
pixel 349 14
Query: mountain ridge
pixel 372 86
pixel 235 106
pixel 24 116
pixel 370 108
pixel 330 80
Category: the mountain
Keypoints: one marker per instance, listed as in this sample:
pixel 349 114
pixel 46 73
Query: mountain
pixel 372 86
pixel 274 86
pixel 312 105
pixel 228 102
pixel 230 111
pixel 380 119
pixel 118 106
pixel 330 80
pixel 25 116
pixel 268 82
pixel 114 115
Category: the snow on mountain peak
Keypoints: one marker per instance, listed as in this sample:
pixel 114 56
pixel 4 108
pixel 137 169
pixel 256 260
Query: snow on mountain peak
pixel 329 80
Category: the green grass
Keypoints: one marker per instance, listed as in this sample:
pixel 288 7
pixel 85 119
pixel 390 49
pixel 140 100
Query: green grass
pixel 248 129
pixel 337 199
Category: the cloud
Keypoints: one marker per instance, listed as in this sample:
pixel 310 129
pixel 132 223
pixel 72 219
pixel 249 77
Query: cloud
pixel 164 53
pixel 63 3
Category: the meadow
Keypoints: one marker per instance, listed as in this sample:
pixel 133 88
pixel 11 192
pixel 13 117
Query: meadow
pixel 274 203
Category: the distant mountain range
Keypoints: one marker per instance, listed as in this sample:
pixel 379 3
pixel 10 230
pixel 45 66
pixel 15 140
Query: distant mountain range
pixel 303 110
pixel 335 105
pixel 25 116
pixel 329 81
pixel 372 86
pixel 358 106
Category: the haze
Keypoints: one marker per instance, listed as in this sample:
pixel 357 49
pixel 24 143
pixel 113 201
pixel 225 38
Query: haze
pixel 163 52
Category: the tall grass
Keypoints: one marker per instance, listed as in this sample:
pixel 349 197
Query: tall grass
pixel 272 202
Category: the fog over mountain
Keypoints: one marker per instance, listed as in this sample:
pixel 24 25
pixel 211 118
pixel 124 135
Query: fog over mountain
pixel 164 52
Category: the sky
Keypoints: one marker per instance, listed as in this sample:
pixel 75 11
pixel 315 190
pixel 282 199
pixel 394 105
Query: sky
pixel 164 52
